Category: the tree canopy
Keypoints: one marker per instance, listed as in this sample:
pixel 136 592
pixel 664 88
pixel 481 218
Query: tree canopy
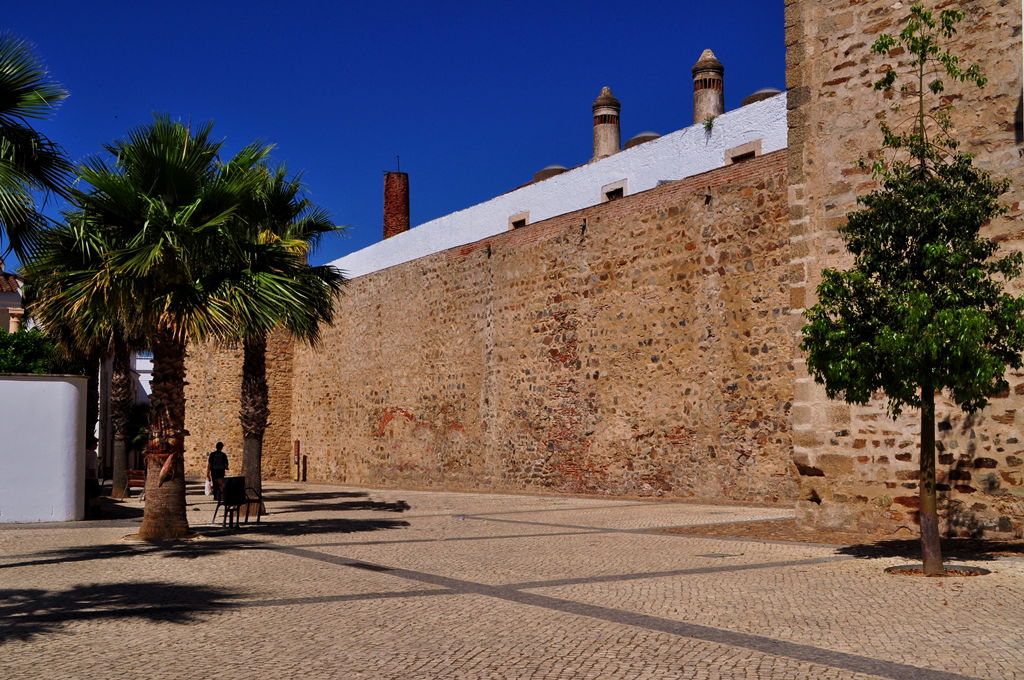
pixel 924 308
pixel 29 161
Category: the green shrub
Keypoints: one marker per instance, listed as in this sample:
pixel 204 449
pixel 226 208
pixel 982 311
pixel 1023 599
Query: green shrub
pixel 26 351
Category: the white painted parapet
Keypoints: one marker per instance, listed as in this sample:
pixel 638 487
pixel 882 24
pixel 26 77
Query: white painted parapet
pixel 42 448
pixel 675 156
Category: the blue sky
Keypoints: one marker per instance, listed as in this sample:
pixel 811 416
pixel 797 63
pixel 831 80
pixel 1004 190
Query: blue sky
pixel 474 97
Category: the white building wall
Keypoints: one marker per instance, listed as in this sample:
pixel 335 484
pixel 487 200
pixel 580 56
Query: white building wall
pixel 681 154
pixel 142 364
pixel 42 448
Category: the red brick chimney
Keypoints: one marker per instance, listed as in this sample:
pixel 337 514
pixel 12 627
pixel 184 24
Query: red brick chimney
pixel 396 203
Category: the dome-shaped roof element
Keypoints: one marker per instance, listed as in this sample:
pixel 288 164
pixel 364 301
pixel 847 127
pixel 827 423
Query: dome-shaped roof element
pixel 549 171
pixel 606 98
pixel 761 95
pixel 641 138
pixel 708 62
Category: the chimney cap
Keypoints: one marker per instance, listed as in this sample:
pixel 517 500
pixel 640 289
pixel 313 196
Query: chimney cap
pixel 708 62
pixel 606 98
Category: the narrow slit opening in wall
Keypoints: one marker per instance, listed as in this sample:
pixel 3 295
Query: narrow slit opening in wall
pixel 519 224
pixel 614 194
pixel 750 155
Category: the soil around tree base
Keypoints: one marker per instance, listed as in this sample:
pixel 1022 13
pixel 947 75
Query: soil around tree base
pixel 948 572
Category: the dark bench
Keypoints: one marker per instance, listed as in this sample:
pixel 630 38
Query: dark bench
pixel 234 494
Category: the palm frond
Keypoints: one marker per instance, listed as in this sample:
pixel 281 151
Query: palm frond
pixel 26 88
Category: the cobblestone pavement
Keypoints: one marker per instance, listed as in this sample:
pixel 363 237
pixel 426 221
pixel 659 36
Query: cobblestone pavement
pixel 341 583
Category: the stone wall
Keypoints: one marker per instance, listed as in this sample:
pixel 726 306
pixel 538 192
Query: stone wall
pixel 212 403
pixel 641 346
pixel 858 466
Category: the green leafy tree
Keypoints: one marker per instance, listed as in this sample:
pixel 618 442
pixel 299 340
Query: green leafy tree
pixel 29 161
pixel 142 253
pixel 26 351
pixel 923 309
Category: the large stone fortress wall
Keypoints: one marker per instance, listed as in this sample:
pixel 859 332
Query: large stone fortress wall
pixel 857 465
pixel 648 345
pixel 639 346
pixel 636 347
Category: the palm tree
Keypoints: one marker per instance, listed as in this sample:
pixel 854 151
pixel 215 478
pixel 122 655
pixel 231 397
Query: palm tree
pixel 56 251
pixel 146 232
pixel 276 287
pixel 29 161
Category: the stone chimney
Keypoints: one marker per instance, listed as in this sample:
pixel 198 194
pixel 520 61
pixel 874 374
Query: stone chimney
pixel 606 124
pixel 708 87
pixel 396 203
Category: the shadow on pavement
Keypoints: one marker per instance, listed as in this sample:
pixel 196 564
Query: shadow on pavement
pixel 290 495
pixel 183 549
pixel 193 549
pixel 379 506
pixel 113 509
pixel 25 613
pixel 306 527
pixel 969 549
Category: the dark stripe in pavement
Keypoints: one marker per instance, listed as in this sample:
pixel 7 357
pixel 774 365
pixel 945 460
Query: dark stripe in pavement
pixel 454 539
pixel 555 524
pixel 636 530
pixel 757 643
pixel 694 571
pixel 326 599
pixel 536 510
pixel 573 509
pixel 660 531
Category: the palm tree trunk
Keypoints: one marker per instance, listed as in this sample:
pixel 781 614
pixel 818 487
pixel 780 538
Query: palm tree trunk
pixel 931 549
pixel 120 405
pixel 254 412
pixel 164 515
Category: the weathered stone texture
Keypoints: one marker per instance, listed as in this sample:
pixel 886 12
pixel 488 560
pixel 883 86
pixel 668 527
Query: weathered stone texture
pixel 636 347
pixel 212 404
pixel 859 468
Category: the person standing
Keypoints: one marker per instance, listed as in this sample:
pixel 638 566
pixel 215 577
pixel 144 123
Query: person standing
pixel 216 466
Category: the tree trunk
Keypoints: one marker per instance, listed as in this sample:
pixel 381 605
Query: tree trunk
pixel 164 516
pixel 254 412
pixel 120 407
pixel 931 549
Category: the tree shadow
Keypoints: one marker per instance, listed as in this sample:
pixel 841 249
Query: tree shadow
pixel 110 508
pixel 961 549
pixel 294 496
pixel 378 506
pixel 230 539
pixel 307 527
pixel 177 549
pixel 26 613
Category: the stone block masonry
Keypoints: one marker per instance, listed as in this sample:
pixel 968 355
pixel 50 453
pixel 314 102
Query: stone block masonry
pixel 650 345
pixel 857 467
pixel 640 346
pixel 212 405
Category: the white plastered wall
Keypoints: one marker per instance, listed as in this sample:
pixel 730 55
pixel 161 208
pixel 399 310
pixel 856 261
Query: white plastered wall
pixel 42 448
pixel 677 155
